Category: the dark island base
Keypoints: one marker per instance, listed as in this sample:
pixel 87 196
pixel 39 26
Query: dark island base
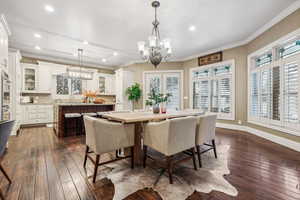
pixel 61 110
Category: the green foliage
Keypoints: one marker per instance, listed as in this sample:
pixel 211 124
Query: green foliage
pixel 134 92
pixel 155 98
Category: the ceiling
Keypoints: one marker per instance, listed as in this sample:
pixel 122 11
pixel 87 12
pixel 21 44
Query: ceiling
pixel 117 25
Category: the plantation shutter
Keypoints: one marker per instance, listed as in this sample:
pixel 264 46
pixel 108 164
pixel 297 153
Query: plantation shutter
pixel 224 95
pixel 266 96
pixel 201 95
pixel 254 108
pixel 290 92
pixel 172 86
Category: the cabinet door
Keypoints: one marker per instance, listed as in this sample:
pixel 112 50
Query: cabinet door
pixel 102 84
pixel 45 79
pixel 29 78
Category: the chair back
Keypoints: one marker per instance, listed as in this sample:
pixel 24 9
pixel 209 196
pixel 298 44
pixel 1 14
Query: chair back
pixel 206 128
pixel 181 134
pixel 90 133
pixel 104 136
pixel 5 131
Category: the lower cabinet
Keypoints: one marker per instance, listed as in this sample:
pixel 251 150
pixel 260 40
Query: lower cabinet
pixel 37 114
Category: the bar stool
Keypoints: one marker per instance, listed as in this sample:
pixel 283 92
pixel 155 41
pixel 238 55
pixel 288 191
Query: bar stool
pixel 70 119
pixel 100 114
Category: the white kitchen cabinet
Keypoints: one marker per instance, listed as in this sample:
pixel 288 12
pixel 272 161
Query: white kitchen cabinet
pixel 37 114
pixel 106 84
pixel 30 78
pixel 124 79
pixel 15 74
pixel 91 85
pixel 37 78
pixel 44 79
pixel 3 44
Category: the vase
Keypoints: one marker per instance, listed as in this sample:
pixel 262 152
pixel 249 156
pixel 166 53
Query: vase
pixel 156 109
pixel 163 108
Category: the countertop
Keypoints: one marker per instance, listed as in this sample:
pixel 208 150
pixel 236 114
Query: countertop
pixel 36 104
pixel 84 104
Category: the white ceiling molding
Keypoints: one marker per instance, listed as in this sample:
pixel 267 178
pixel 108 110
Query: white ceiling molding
pixel 286 12
pixel 4 22
pixel 63 60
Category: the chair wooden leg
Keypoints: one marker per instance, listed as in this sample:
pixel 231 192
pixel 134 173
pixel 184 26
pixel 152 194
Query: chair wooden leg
pixel 170 170
pixel 132 157
pixel 199 155
pixel 194 158
pixel 215 149
pixel 96 167
pixel 145 155
pixel 85 156
pixel 5 174
pixel 1 195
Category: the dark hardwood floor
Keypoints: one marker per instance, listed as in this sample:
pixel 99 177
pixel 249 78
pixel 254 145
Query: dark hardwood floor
pixel 45 167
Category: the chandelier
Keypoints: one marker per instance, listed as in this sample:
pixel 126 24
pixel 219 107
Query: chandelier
pixel 79 73
pixel 155 49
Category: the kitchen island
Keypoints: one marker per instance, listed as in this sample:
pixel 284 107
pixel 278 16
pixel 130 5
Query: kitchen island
pixel 60 109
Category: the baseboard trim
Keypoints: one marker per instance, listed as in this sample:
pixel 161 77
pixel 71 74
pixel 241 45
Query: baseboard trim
pixel 276 139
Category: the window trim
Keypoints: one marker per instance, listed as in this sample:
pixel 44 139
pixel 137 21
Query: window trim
pixel 233 87
pixel 272 124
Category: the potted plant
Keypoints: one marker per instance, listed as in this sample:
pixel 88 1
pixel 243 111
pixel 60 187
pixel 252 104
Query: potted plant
pixel 155 99
pixel 134 93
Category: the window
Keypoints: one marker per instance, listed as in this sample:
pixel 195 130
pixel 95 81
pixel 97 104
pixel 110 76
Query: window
pixel 165 82
pixel 212 89
pixel 274 88
pixel 66 86
pixel 289 49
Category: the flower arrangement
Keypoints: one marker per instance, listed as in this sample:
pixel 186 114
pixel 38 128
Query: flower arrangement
pixel 155 98
pixel 89 96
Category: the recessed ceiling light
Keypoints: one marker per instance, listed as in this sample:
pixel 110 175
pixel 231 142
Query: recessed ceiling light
pixel 192 28
pixel 116 53
pixel 85 42
pixel 49 8
pixel 37 48
pixel 103 60
pixel 37 35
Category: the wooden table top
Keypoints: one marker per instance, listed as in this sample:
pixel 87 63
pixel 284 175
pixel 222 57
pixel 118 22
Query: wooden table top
pixel 133 117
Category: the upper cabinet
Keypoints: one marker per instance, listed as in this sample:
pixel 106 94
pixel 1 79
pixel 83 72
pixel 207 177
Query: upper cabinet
pixel 106 84
pixel 45 79
pixel 30 78
pixel 36 78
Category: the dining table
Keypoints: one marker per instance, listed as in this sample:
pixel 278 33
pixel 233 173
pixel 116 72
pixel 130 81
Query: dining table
pixel 140 118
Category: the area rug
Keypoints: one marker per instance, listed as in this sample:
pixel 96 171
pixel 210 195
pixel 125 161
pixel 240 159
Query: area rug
pixel 186 179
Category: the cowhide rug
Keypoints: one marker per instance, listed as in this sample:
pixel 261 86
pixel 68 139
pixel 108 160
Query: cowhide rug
pixel 186 180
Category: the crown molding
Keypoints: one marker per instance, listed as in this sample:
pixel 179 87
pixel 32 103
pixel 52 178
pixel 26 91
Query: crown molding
pixel 283 14
pixel 5 24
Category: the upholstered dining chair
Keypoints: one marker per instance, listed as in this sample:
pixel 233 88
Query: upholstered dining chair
pixel 103 136
pixel 171 137
pixel 205 134
pixel 5 131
